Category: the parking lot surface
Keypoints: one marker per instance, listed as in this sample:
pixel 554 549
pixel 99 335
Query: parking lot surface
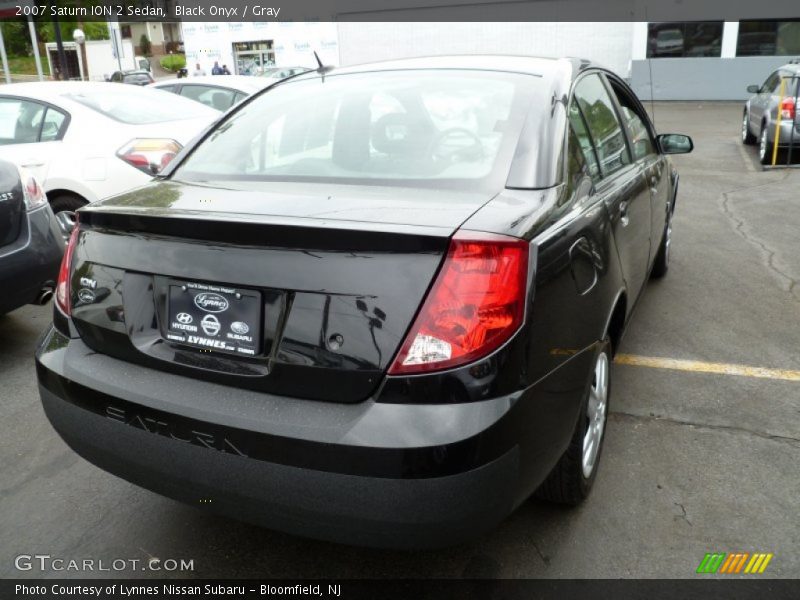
pixel 694 461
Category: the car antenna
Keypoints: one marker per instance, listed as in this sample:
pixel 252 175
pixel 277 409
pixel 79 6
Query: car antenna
pixel 321 69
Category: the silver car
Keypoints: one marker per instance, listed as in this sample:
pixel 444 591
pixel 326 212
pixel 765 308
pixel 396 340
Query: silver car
pixel 760 118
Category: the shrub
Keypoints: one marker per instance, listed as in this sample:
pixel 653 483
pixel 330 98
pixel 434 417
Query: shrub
pixel 173 62
pixel 145 46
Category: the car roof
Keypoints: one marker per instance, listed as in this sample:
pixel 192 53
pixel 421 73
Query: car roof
pixel 244 83
pixel 529 65
pixel 792 65
pixel 49 90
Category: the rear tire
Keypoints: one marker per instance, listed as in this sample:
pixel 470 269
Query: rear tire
pixel 66 202
pixel 764 148
pixel 661 264
pixel 747 138
pixel 572 478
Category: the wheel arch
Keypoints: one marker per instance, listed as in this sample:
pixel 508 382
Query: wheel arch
pixel 55 193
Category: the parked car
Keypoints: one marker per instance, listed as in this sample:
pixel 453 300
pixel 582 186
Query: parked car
pixel 84 141
pixel 219 93
pixel 31 243
pixel 378 310
pixel 282 72
pixel 669 42
pixel 132 77
pixel 760 117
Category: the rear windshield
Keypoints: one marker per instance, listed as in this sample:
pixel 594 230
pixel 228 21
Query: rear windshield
pixel 135 106
pixel 138 78
pixel 402 127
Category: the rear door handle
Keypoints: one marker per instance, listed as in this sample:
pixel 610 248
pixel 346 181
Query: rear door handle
pixel 31 164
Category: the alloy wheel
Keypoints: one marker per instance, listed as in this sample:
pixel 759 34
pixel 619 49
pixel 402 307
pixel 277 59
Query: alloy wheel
pixel 762 146
pixel 595 415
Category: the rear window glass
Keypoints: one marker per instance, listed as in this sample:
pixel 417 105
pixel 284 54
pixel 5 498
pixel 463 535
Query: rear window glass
pixel 133 106
pixel 402 127
pixel 141 78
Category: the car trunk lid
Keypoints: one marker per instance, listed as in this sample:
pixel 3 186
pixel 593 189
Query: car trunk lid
pixel 297 290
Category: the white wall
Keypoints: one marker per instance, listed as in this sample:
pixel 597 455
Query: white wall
pixel 101 61
pixel 609 44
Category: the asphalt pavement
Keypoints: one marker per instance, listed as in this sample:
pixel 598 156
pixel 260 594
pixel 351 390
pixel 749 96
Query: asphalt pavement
pixel 694 462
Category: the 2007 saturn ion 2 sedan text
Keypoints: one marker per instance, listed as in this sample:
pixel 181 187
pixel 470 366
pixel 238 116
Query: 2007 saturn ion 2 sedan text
pixel 375 305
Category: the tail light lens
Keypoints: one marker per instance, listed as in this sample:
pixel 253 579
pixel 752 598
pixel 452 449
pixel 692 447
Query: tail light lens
pixel 62 287
pixel 475 305
pixel 149 155
pixel 32 192
pixel 787 109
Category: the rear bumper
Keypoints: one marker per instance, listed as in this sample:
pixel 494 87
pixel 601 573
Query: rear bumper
pixel 790 134
pixel 32 261
pixel 374 474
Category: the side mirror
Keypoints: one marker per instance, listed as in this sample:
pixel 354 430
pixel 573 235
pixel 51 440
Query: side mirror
pixel 753 89
pixel 675 143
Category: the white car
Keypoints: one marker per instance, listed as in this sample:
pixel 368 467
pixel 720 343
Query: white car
pixel 219 92
pixel 85 141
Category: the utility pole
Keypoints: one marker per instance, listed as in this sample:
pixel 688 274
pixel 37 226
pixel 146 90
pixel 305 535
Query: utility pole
pixel 35 44
pixel 62 56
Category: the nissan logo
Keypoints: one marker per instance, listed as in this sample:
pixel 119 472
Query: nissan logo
pixel 210 302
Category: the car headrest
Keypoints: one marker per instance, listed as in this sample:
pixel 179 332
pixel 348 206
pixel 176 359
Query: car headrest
pixel 398 134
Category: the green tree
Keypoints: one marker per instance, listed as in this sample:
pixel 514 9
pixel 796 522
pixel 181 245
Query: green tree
pixel 16 37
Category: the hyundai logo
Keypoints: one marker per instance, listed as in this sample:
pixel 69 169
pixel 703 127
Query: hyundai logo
pixel 184 318
pixel 210 302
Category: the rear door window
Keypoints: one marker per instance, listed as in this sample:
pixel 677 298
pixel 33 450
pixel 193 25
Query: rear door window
pixel 52 124
pixel 20 121
pixel 605 128
pixel 583 139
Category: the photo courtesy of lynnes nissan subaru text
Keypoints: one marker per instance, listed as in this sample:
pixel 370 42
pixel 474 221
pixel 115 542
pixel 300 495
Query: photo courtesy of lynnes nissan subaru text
pixel 375 305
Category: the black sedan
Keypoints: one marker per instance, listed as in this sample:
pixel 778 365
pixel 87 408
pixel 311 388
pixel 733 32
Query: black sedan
pixel 374 305
pixel 31 242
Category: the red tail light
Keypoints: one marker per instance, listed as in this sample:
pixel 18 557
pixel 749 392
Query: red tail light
pixel 787 109
pixel 62 287
pixel 475 305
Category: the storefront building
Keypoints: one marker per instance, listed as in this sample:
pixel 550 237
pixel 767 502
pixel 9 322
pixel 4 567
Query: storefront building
pixel 710 60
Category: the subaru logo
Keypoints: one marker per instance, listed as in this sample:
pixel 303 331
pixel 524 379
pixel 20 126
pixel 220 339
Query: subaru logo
pixel 184 318
pixel 210 302
pixel 239 327
pixel 210 325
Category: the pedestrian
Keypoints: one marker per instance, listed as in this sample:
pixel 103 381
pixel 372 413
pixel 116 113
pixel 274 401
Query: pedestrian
pixel 198 71
pixel 225 70
pixel 216 69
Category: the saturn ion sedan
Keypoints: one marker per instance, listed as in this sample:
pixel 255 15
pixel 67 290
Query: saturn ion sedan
pixel 375 305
